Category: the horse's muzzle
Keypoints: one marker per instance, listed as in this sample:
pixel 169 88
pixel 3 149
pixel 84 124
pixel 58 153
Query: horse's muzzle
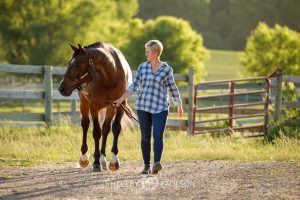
pixel 64 91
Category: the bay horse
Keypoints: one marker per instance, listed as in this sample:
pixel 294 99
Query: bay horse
pixel 101 75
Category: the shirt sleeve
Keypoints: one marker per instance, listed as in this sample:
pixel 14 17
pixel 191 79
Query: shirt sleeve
pixel 173 88
pixel 135 85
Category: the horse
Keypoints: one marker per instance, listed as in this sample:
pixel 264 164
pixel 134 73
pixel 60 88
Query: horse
pixel 101 75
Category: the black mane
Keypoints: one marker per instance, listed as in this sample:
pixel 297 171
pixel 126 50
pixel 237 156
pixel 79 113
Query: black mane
pixel 94 45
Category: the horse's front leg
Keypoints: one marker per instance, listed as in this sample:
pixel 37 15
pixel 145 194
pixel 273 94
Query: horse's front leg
pixel 116 129
pixel 110 112
pixel 85 122
pixel 96 136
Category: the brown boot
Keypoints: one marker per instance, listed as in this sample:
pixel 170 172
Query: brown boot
pixel 156 168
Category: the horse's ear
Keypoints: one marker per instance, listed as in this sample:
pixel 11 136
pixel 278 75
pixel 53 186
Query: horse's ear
pixel 72 46
pixel 80 48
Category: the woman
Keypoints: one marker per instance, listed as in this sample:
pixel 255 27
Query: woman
pixel 154 80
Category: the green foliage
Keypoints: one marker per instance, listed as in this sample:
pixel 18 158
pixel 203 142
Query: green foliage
pixel 194 11
pixel 289 92
pixel 183 47
pixel 271 48
pixel 225 24
pixel 288 126
pixel 38 31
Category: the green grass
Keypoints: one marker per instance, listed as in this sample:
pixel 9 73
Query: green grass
pixel 34 106
pixel 62 142
pixel 224 65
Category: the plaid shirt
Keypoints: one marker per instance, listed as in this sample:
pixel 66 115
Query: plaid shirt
pixel 153 88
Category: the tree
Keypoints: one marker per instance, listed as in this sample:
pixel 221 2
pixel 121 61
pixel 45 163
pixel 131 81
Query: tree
pixel 38 31
pixel 194 11
pixel 183 47
pixel 225 24
pixel 270 48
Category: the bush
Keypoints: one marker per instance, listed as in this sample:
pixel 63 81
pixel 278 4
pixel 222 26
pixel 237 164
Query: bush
pixel 183 47
pixel 271 48
pixel 288 124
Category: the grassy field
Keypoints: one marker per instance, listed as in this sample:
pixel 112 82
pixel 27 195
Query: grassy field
pixel 224 65
pixel 35 106
pixel 62 142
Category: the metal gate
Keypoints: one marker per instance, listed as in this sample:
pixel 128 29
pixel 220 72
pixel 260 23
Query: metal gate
pixel 234 90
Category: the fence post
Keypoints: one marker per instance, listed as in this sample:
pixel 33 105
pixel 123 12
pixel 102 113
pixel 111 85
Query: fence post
pixel 48 93
pixel 266 106
pixel 278 97
pixel 73 105
pixel 190 98
pixel 231 103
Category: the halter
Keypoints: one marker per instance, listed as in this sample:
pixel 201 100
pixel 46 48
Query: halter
pixel 77 81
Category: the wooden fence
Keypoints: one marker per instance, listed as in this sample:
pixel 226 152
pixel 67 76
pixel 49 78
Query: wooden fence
pixel 49 94
pixel 186 86
pixel 239 114
pixel 232 107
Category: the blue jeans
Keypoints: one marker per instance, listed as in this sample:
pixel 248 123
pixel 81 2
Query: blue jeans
pixel 158 123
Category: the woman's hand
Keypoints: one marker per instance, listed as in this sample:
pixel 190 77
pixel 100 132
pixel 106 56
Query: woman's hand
pixel 179 110
pixel 117 102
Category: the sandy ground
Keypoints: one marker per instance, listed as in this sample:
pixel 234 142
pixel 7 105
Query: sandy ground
pixel 178 180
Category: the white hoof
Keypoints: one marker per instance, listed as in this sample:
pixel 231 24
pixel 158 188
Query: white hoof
pixel 114 163
pixel 103 162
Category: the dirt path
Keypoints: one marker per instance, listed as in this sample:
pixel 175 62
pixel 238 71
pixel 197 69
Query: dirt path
pixel 178 180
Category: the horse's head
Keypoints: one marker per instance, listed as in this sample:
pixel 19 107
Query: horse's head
pixel 78 72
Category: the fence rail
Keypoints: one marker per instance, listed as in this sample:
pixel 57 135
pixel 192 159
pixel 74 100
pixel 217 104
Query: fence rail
pixel 48 94
pixel 231 106
pixel 254 98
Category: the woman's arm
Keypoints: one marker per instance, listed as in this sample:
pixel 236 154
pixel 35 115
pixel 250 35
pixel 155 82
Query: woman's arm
pixel 179 110
pixel 174 93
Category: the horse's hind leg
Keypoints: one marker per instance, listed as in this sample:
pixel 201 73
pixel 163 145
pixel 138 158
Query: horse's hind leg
pixel 116 129
pixel 97 136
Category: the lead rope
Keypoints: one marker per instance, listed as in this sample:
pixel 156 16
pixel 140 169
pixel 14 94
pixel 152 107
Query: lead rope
pixel 126 109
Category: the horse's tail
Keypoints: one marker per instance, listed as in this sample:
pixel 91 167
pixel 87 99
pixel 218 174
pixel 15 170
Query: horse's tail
pixel 127 121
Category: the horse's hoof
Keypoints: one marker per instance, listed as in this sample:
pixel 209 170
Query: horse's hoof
pixel 104 165
pixel 84 161
pixel 114 166
pixel 97 168
pixel 103 162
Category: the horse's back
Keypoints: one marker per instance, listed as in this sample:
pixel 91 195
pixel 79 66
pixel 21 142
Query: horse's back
pixel 125 66
pixel 120 58
pixel 116 58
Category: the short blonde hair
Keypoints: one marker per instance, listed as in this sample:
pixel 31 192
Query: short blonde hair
pixel 155 45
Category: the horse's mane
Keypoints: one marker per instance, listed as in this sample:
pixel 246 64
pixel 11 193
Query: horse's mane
pixel 102 45
pixel 95 45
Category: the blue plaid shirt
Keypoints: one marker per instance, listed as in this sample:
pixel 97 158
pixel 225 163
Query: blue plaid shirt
pixel 153 88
